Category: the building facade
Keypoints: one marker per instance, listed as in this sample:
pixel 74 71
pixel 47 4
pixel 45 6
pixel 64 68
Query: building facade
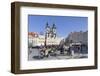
pixel 50 37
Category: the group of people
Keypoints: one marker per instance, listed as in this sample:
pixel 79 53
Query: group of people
pixel 56 50
pixel 47 51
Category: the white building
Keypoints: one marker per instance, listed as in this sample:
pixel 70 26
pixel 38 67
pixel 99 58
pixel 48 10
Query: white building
pixel 40 40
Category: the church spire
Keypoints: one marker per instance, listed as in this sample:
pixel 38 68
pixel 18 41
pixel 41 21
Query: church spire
pixel 54 26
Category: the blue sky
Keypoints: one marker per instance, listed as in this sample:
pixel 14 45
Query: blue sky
pixel 64 24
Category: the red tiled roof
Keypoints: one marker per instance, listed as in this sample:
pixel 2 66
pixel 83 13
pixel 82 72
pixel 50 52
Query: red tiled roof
pixel 33 34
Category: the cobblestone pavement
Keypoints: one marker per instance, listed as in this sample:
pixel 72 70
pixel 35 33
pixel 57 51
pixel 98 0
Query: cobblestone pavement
pixel 34 54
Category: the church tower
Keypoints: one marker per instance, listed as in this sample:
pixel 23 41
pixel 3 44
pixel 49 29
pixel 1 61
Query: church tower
pixel 47 30
pixel 54 32
pixel 50 31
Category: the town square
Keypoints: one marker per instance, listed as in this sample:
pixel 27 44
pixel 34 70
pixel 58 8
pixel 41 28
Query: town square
pixel 48 44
